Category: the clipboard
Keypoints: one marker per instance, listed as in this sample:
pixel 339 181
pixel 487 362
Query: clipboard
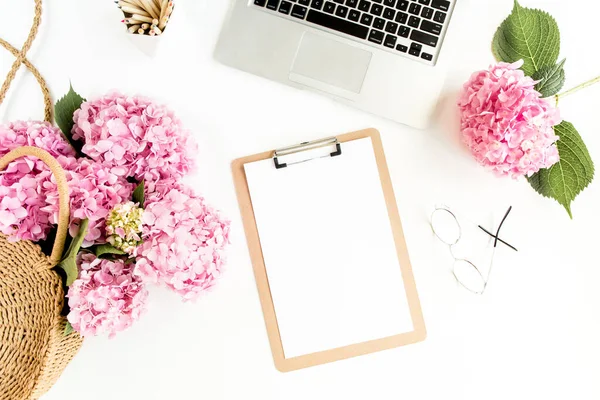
pixel 330 148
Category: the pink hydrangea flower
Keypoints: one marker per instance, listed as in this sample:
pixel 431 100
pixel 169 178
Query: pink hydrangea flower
pixel 184 242
pixel 21 184
pixel 134 137
pixel 95 190
pixel 106 298
pixel 506 124
pixel 34 133
pixel 157 190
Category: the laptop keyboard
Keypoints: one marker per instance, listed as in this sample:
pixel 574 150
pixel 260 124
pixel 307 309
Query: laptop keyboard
pixel 413 28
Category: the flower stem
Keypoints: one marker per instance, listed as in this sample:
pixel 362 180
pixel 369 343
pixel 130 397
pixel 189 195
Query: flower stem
pixel 577 88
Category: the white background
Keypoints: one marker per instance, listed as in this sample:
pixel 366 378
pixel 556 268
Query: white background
pixel 534 334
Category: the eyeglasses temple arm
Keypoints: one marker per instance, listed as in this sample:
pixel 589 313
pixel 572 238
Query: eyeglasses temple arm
pixel 497 238
pixel 500 226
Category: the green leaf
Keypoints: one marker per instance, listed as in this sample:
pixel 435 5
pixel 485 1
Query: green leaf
pixel 138 194
pixel 528 34
pixel 567 178
pixel 63 113
pixel 68 329
pixel 68 263
pixel 107 249
pixel 551 79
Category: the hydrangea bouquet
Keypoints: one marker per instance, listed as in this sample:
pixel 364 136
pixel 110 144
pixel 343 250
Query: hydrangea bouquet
pixel 509 115
pixel 133 222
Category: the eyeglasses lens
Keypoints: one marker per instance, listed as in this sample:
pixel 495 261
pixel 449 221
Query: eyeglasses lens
pixel 445 226
pixel 469 276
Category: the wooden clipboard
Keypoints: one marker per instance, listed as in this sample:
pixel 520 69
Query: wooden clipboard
pixel 289 364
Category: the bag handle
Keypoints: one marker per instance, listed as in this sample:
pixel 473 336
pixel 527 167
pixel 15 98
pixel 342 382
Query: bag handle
pixel 21 59
pixel 63 193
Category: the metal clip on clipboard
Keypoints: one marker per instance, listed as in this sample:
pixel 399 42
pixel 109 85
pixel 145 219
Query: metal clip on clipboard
pixel 304 146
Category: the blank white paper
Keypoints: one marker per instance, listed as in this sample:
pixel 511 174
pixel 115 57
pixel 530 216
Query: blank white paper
pixel 329 250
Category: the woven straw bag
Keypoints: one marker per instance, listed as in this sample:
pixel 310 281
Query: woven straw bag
pixel 33 348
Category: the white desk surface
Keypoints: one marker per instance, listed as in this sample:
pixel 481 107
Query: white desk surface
pixel 533 335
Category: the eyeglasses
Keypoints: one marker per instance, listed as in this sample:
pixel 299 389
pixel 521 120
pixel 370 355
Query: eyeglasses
pixel 446 227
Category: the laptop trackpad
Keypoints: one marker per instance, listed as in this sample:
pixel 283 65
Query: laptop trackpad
pixel 329 65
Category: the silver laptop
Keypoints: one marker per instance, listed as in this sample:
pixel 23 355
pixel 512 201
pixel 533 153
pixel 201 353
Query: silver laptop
pixel 382 56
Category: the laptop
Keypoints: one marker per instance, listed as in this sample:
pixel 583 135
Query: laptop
pixel 381 56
